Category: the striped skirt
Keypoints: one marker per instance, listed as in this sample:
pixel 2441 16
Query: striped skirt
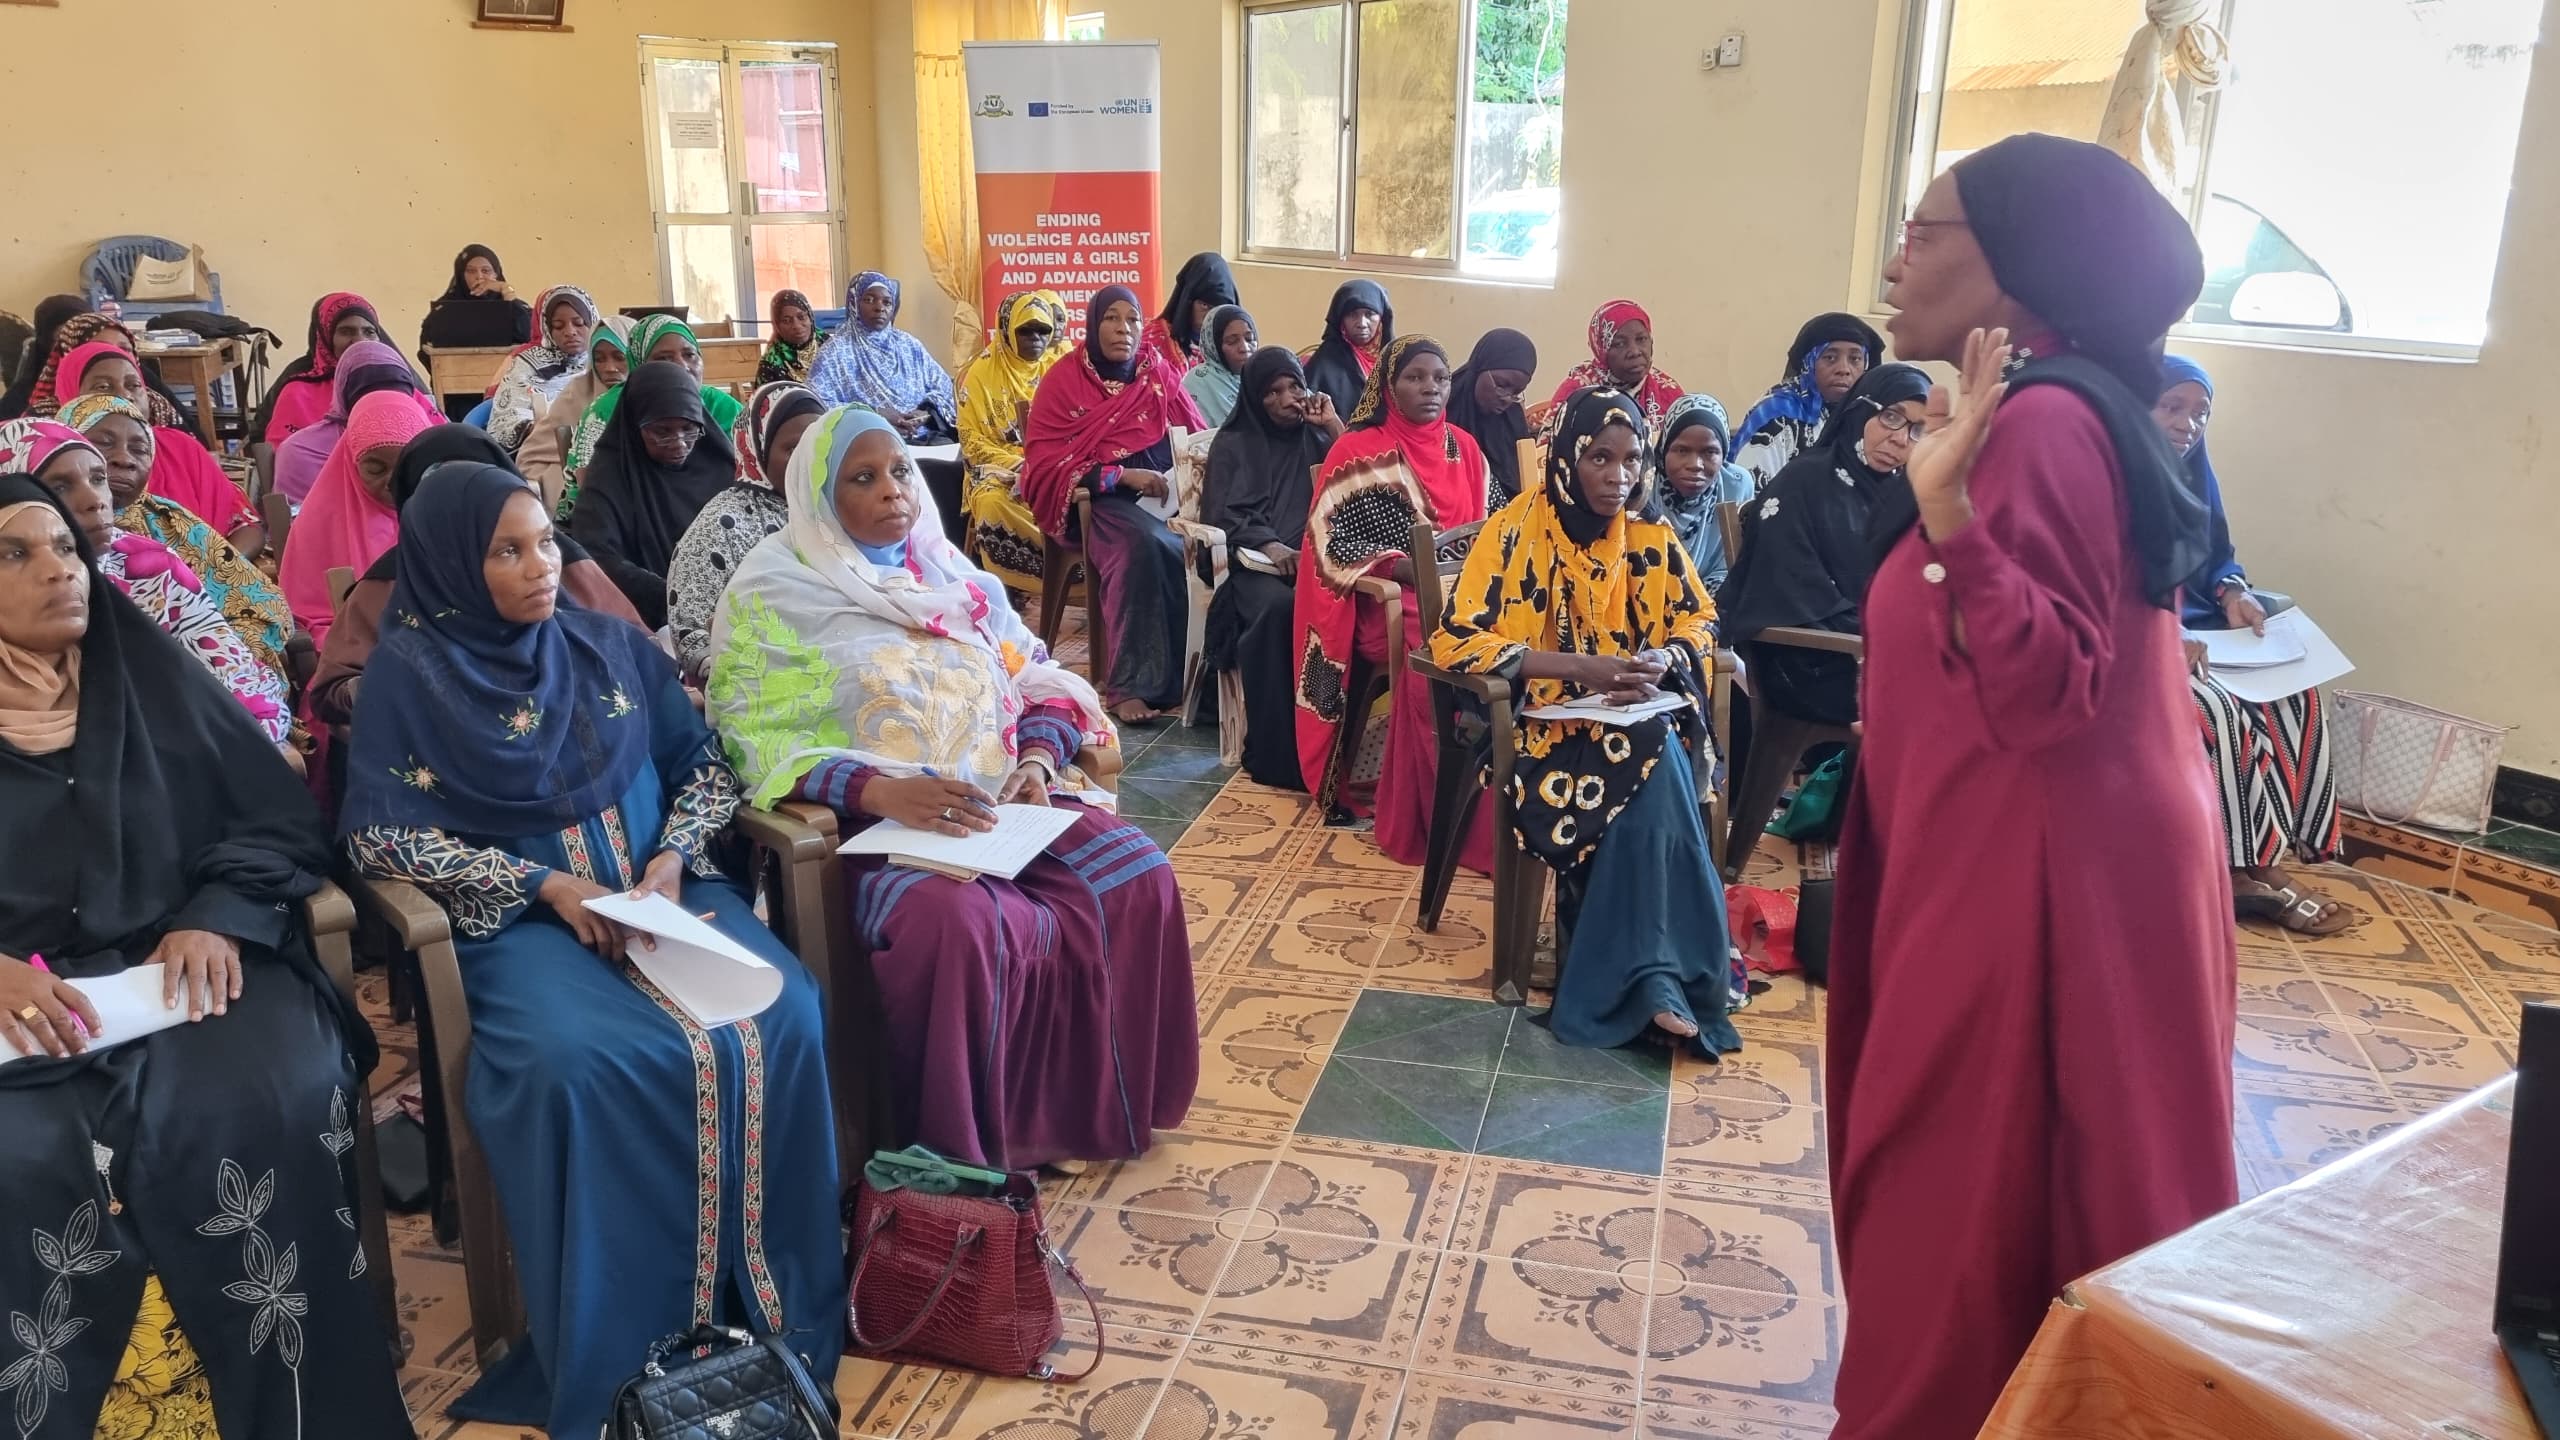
pixel 2270 773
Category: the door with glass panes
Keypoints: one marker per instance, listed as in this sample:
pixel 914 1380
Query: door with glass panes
pixel 743 140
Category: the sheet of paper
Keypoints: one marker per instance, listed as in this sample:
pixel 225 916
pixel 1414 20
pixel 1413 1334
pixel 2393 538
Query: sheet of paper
pixel 717 980
pixel 2248 650
pixel 1607 714
pixel 1253 559
pixel 2322 662
pixel 1021 833
pixel 128 1006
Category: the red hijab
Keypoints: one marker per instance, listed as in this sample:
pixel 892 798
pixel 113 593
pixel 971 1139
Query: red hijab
pixel 1654 395
pixel 1090 411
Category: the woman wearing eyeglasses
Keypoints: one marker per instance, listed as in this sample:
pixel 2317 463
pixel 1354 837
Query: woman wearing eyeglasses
pixel 659 463
pixel 1805 555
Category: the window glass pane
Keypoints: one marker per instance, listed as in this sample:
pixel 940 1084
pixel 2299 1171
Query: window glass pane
pixel 703 261
pixel 1407 104
pixel 2018 65
pixel 2365 145
pixel 1515 139
pixel 794 257
pixel 784 105
pixel 1293 59
pixel 693 154
pixel 1086 26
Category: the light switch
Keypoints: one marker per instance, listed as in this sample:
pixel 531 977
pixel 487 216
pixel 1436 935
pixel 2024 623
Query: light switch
pixel 1729 51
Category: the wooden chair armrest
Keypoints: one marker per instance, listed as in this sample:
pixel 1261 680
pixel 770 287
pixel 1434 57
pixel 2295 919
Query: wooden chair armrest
pixel 1804 639
pixel 1727 663
pixel 1491 689
pixel 1380 589
pixel 332 918
pixel 415 920
pixel 789 833
pixel 1102 767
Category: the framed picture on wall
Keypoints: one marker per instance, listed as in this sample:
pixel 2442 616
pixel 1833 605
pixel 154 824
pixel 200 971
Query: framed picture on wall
pixel 521 12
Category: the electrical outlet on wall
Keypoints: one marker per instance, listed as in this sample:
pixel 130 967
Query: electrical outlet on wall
pixel 1729 51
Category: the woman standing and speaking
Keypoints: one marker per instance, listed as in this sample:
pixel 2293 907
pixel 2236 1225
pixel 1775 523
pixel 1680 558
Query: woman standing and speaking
pixel 2033 970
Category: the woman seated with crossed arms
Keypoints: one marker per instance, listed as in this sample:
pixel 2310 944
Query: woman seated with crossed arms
pixel 178 1249
pixel 1569 595
pixel 862 663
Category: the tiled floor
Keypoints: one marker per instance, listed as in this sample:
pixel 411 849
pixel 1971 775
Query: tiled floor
pixel 1414 1259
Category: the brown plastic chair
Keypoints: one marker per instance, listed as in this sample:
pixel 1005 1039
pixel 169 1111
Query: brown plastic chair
pixel 276 513
pixel 1058 560
pixel 420 927
pixel 1467 775
pixel 331 917
pixel 1778 744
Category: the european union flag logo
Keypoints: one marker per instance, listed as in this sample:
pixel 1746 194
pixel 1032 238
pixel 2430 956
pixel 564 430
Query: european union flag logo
pixel 1039 109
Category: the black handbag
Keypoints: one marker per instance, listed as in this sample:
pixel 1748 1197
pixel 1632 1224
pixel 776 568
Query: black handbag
pixel 741 1388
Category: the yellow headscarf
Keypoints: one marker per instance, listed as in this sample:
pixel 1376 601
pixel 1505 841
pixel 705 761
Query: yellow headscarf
pixel 1000 382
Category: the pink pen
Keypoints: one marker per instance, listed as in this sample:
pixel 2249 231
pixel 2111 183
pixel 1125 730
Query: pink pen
pixel 36 962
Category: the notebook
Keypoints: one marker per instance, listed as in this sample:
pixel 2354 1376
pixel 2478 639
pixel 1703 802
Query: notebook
pixel 1022 832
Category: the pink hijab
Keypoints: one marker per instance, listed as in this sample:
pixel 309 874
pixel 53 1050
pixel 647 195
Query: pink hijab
pixel 344 524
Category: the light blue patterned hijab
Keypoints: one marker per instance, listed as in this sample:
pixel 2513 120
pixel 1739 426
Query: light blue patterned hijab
pixel 887 368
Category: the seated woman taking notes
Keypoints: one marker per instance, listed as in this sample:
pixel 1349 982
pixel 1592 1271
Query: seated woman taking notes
pixel 862 663
pixel 185 1197
pixel 1571 596
pixel 515 757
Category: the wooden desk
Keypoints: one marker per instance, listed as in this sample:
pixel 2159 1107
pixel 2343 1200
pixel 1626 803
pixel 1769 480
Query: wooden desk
pixel 2354 1302
pixel 200 367
pixel 465 369
pixel 728 363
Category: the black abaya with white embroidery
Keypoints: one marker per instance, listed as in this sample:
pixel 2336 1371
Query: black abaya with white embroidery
pixel 213 1156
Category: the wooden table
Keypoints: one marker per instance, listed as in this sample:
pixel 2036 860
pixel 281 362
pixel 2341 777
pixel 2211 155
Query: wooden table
pixel 730 363
pixel 2354 1302
pixel 200 367
pixel 465 369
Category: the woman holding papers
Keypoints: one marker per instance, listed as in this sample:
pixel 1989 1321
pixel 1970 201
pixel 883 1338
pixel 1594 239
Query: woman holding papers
pixel 2270 762
pixel 515 757
pixel 1571 596
pixel 148 822
pixel 862 663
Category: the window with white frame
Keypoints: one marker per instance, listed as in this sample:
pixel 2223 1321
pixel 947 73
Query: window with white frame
pixel 1357 145
pixel 1085 26
pixel 2353 166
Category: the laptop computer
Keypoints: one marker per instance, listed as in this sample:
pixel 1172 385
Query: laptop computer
pixel 2529 1240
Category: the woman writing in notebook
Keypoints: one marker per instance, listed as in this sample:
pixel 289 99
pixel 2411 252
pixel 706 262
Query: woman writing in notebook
pixel 860 662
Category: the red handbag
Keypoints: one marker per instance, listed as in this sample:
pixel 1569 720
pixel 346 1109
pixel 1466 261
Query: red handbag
pixel 959 1280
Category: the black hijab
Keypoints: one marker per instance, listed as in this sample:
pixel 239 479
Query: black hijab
pixel 185 814
pixel 51 312
pixel 445 445
pixel 1807 553
pixel 2078 237
pixel 632 509
pixel 1101 303
pixel 1333 367
pixel 460 289
pixel 1498 432
pixel 1830 328
pixel 1587 412
pixel 1203 277
pixel 1261 481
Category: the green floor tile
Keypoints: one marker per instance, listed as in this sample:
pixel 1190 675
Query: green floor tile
pixel 1533 1050
pixel 1162 761
pixel 1146 798
pixel 1166 833
pixel 1189 737
pixel 2524 842
pixel 1598 1126
pixel 1425 1030
pixel 1383 1102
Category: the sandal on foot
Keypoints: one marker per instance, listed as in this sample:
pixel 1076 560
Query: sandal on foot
pixel 2289 907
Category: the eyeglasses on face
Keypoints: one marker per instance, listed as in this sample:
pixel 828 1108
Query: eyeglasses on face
pixel 1914 228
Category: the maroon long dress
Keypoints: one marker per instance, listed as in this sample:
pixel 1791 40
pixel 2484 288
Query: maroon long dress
pixel 2033 970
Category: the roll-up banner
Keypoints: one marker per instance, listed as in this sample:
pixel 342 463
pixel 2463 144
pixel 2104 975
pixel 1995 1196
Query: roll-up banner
pixel 1069 169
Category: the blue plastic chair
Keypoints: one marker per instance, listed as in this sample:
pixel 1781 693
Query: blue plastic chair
pixel 479 416
pixel 109 269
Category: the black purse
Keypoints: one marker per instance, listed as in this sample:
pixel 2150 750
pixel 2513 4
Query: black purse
pixel 744 1388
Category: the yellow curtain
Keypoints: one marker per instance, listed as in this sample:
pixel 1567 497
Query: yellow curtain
pixel 949 189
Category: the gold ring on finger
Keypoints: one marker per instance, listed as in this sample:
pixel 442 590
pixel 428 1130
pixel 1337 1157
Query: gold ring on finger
pixel 31 1014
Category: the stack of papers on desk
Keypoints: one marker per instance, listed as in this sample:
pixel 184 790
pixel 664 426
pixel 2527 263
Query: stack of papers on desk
pixel 1591 707
pixel 1022 832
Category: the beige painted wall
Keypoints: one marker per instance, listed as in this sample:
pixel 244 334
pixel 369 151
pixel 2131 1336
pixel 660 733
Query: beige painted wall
pixel 358 146
pixel 2413 505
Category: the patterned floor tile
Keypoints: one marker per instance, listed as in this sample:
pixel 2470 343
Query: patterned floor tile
pixel 1314 952
pixel 1187 763
pixel 1703 1342
pixel 1724 1244
pixel 1743 1131
pixel 1555 1214
pixel 1517 1322
pixel 2298 1046
pixel 1394 1194
pixel 1148 1271
pixel 1451 1407
pixel 1736 1417
pixel 2315 1132
pixel 1217 891
pixel 1221 1390
pixel 1369 903
pixel 878 1398
pixel 1249 825
pixel 1455 959
pixel 1601 1127
pixel 1114 1403
pixel 1186 1172
pixel 1336 1296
